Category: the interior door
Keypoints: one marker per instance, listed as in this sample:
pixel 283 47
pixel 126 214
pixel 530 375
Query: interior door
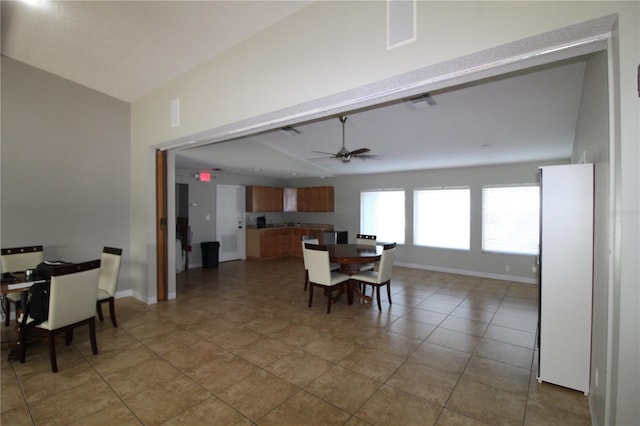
pixel 230 228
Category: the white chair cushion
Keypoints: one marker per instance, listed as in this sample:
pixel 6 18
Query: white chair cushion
pixel 102 295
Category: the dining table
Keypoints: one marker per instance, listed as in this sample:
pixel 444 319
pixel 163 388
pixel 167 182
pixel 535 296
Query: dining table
pixel 351 257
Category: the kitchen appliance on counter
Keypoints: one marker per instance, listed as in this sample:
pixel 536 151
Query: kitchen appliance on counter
pixel 337 236
pixel 261 222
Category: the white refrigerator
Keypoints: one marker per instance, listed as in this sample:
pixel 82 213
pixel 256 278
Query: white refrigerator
pixel 566 275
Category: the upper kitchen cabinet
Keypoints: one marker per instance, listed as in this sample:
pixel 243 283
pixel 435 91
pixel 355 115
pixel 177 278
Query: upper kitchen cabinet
pixel 316 199
pixel 322 198
pixel 264 199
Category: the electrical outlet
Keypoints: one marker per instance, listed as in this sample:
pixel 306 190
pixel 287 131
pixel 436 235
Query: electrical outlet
pixel 597 374
pixel 507 268
pixel 534 269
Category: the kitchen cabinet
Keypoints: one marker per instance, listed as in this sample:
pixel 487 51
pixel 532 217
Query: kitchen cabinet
pixel 271 243
pixel 322 197
pixel 264 199
pixel 566 275
pixel 274 199
pixel 316 199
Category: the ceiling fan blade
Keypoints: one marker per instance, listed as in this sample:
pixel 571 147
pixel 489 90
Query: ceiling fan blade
pixel 332 154
pixel 369 157
pixel 360 151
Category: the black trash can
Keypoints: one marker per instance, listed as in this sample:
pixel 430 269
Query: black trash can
pixel 210 252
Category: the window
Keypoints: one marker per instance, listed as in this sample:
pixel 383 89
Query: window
pixel 510 219
pixel 382 215
pixel 442 218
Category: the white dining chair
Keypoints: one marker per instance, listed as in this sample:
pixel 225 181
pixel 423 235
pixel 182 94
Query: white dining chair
pixel 108 281
pixel 311 239
pixel 382 276
pixel 320 273
pixel 18 259
pixel 366 240
pixel 72 303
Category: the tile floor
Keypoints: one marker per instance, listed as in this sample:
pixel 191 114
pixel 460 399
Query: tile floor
pixel 239 346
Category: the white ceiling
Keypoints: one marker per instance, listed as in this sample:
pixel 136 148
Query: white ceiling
pixel 127 49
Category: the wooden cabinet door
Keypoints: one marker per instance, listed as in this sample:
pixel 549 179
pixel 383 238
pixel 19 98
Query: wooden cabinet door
pixel 323 199
pixel 277 199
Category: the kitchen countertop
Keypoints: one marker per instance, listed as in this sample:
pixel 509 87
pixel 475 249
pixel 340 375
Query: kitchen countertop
pixel 297 225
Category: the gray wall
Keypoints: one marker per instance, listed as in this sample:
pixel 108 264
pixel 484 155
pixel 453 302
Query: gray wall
pixel 65 167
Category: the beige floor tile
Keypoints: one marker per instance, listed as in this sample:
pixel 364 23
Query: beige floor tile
pixel 264 351
pixel 305 409
pixel 11 395
pixel 504 352
pixel 558 397
pixel 222 371
pixel 440 358
pixel 454 340
pixel 487 404
pixel 344 388
pixel 297 335
pixel 109 361
pixel 390 406
pixel 393 343
pixel 17 416
pixel 139 377
pixel 511 336
pixel 166 400
pixel 526 323
pixel 63 407
pixel 209 412
pixel 439 307
pixel 464 325
pixel 114 414
pixel 539 414
pixel 41 385
pixel 426 316
pixel 373 363
pixel 331 348
pixel 498 375
pixel 235 337
pixel 299 367
pixel 473 314
pixel 413 329
pixel 425 382
pixel 451 418
pixel 257 394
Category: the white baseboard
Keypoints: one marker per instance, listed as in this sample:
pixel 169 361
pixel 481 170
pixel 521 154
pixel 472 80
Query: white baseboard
pixel 525 280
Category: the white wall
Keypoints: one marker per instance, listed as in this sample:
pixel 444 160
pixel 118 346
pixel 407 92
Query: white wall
pixel 65 167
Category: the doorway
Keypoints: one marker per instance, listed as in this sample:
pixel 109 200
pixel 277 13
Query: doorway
pixel 230 226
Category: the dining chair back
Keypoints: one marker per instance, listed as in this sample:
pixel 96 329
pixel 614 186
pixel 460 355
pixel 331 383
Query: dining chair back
pixel 108 281
pixel 17 260
pixel 366 240
pixel 382 276
pixel 307 239
pixel 21 258
pixel 72 299
pixel 320 273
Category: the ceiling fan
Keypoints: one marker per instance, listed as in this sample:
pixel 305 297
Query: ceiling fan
pixel 344 154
